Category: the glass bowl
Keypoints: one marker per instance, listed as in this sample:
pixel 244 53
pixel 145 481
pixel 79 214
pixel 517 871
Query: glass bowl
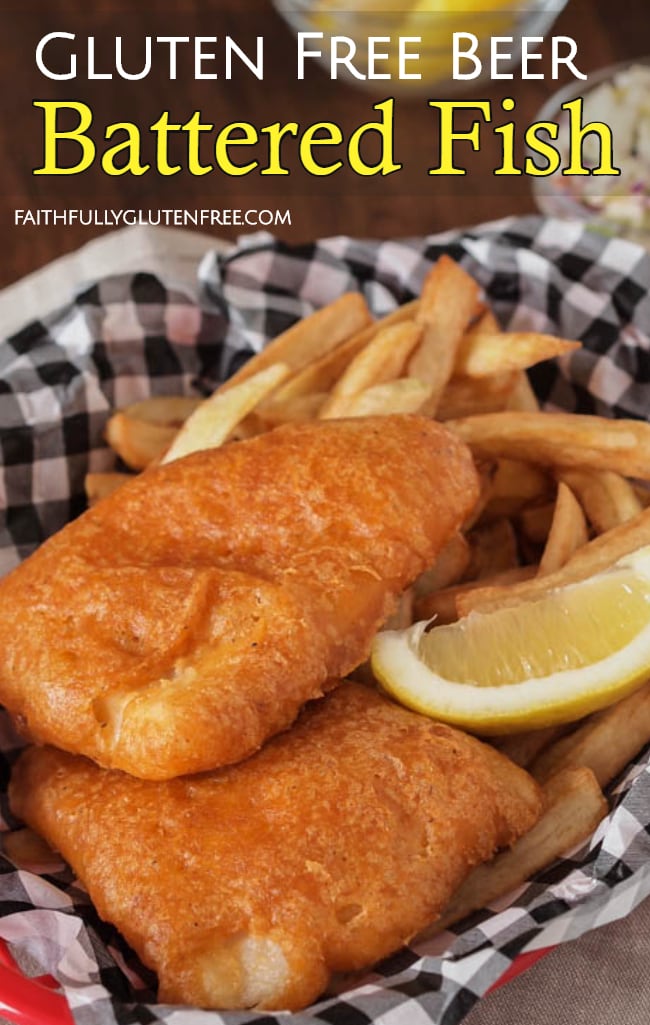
pixel 619 205
pixel 434 21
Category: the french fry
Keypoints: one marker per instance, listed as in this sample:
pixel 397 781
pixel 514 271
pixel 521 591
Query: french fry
pixel 561 439
pixel 607 498
pixel 642 492
pixel 141 433
pixel 600 553
pixel 522 398
pixel 444 605
pixel 309 338
pixel 26 849
pixel 485 470
pixel 380 361
pixel 574 806
pixel 524 748
pixel 439 606
pixel 137 442
pixel 448 302
pixel 448 569
pixel 535 522
pixel 101 485
pixel 405 395
pixel 169 410
pixel 485 595
pixel 493 548
pixel 516 484
pixel 249 427
pixel 482 354
pixel 298 409
pixel 568 531
pixel 485 323
pixel 212 421
pixel 402 617
pixel 605 742
pixel 467 396
pixel 321 374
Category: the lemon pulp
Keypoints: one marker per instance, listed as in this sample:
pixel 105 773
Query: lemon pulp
pixel 580 627
pixel 540 662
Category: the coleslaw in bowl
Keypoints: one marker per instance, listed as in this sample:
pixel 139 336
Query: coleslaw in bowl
pixel 619 96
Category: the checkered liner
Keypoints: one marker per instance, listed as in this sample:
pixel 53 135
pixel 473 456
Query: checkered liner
pixel 125 338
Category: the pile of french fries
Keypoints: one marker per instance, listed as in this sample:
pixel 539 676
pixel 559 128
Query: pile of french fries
pixel 563 497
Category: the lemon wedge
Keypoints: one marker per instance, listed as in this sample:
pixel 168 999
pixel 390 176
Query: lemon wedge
pixel 537 663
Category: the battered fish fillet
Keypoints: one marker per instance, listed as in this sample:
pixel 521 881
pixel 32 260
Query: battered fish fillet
pixel 189 616
pixel 324 852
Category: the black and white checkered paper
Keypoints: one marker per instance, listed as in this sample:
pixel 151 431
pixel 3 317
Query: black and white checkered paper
pixel 124 338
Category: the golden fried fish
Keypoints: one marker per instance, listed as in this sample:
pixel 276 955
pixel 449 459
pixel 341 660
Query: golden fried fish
pixel 324 852
pixel 186 618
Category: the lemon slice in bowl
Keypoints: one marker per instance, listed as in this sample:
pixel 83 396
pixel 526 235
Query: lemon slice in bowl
pixel 537 663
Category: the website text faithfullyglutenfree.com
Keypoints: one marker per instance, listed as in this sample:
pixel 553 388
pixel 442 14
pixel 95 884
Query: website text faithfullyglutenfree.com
pixel 166 217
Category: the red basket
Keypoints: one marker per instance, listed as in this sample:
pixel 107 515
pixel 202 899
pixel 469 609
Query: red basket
pixel 30 1001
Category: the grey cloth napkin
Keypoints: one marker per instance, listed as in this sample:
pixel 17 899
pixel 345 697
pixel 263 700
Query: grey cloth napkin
pixel 599 979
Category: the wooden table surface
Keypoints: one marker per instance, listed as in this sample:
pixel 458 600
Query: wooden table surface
pixel 406 203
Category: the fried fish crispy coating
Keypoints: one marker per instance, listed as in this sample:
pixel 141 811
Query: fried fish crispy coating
pixel 186 618
pixel 324 852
